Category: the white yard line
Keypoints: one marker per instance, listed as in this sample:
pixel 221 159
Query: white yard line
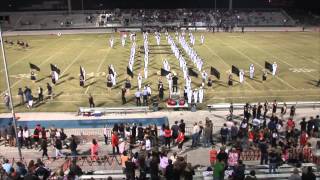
pixel 254 62
pixel 224 62
pixel 29 55
pixel 98 70
pixel 280 59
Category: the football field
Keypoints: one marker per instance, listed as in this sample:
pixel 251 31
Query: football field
pixel 296 53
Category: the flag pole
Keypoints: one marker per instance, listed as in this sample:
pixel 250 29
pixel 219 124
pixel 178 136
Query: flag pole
pixel 9 92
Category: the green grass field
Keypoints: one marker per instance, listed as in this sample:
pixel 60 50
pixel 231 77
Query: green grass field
pixel 297 55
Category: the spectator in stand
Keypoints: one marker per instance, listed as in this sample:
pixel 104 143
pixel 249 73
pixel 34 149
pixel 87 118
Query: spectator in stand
pixel 233 157
pixel 105 134
pixel 6 166
pixel 167 136
pixel 311 126
pixel 303 124
pixel 163 162
pixel 11 135
pixel 20 136
pixel 75 169
pixel 169 172
pixel 124 158
pixel 222 155
pixel 307 174
pixel 36 135
pixel 292 111
pixel 218 172
pixel 58 147
pixel 115 142
pixel 130 169
pixel 44 148
pixel 224 134
pixel 207 133
pixel 263 146
pixel 175 130
pixel 195 134
pixel 239 171
pixel 251 176
pixel 182 126
pixel 295 175
pixel 180 140
pixel 27 138
pixel 73 146
pixel 140 132
pixel 213 155
pixel 303 138
pixel 94 150
pixel 290 124
pixel 154 167
pixel 273 160
pixel 41 171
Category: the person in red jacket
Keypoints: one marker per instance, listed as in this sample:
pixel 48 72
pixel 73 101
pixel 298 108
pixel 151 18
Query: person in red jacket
pixel 180 139
pixel 167 136
pixel 303 139
pixel 213 155
pixel 115 142
pixel 290 124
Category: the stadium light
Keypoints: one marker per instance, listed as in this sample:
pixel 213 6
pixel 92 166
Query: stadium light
pixel 9 93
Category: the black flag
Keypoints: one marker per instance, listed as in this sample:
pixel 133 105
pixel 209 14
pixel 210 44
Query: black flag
pixel 191 72
pixel 129 72
pixel 235 70
pixel 33 66
pixel 55 68
pixel 81 72
pixel 164 72
pixel 268 66
pixel 110 71
pixel 215 72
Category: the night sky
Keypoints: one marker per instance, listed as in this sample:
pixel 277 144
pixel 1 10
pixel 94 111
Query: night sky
pixel 15 5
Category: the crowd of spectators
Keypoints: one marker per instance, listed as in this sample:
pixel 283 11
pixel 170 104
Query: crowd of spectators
pixel 278 137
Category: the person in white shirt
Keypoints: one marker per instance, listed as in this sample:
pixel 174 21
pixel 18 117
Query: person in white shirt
pixel 105 134
pixel 195 134
pixel 202 38
pixel 201 94
pixel 274 68
pixel 251 71
pixel 139 81
pixel 148 144
pixel 241 76
pixel 195 96
pixel 111 42
pixel 204 75
pixel 189 94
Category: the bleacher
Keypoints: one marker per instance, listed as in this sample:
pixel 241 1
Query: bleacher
pixel 152 18
pixel 262 172
pixel 225 106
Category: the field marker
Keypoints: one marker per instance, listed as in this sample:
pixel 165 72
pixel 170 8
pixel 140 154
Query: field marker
pixel 98 70
pixel 249 58
pixel 266 52
pixel 27 56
